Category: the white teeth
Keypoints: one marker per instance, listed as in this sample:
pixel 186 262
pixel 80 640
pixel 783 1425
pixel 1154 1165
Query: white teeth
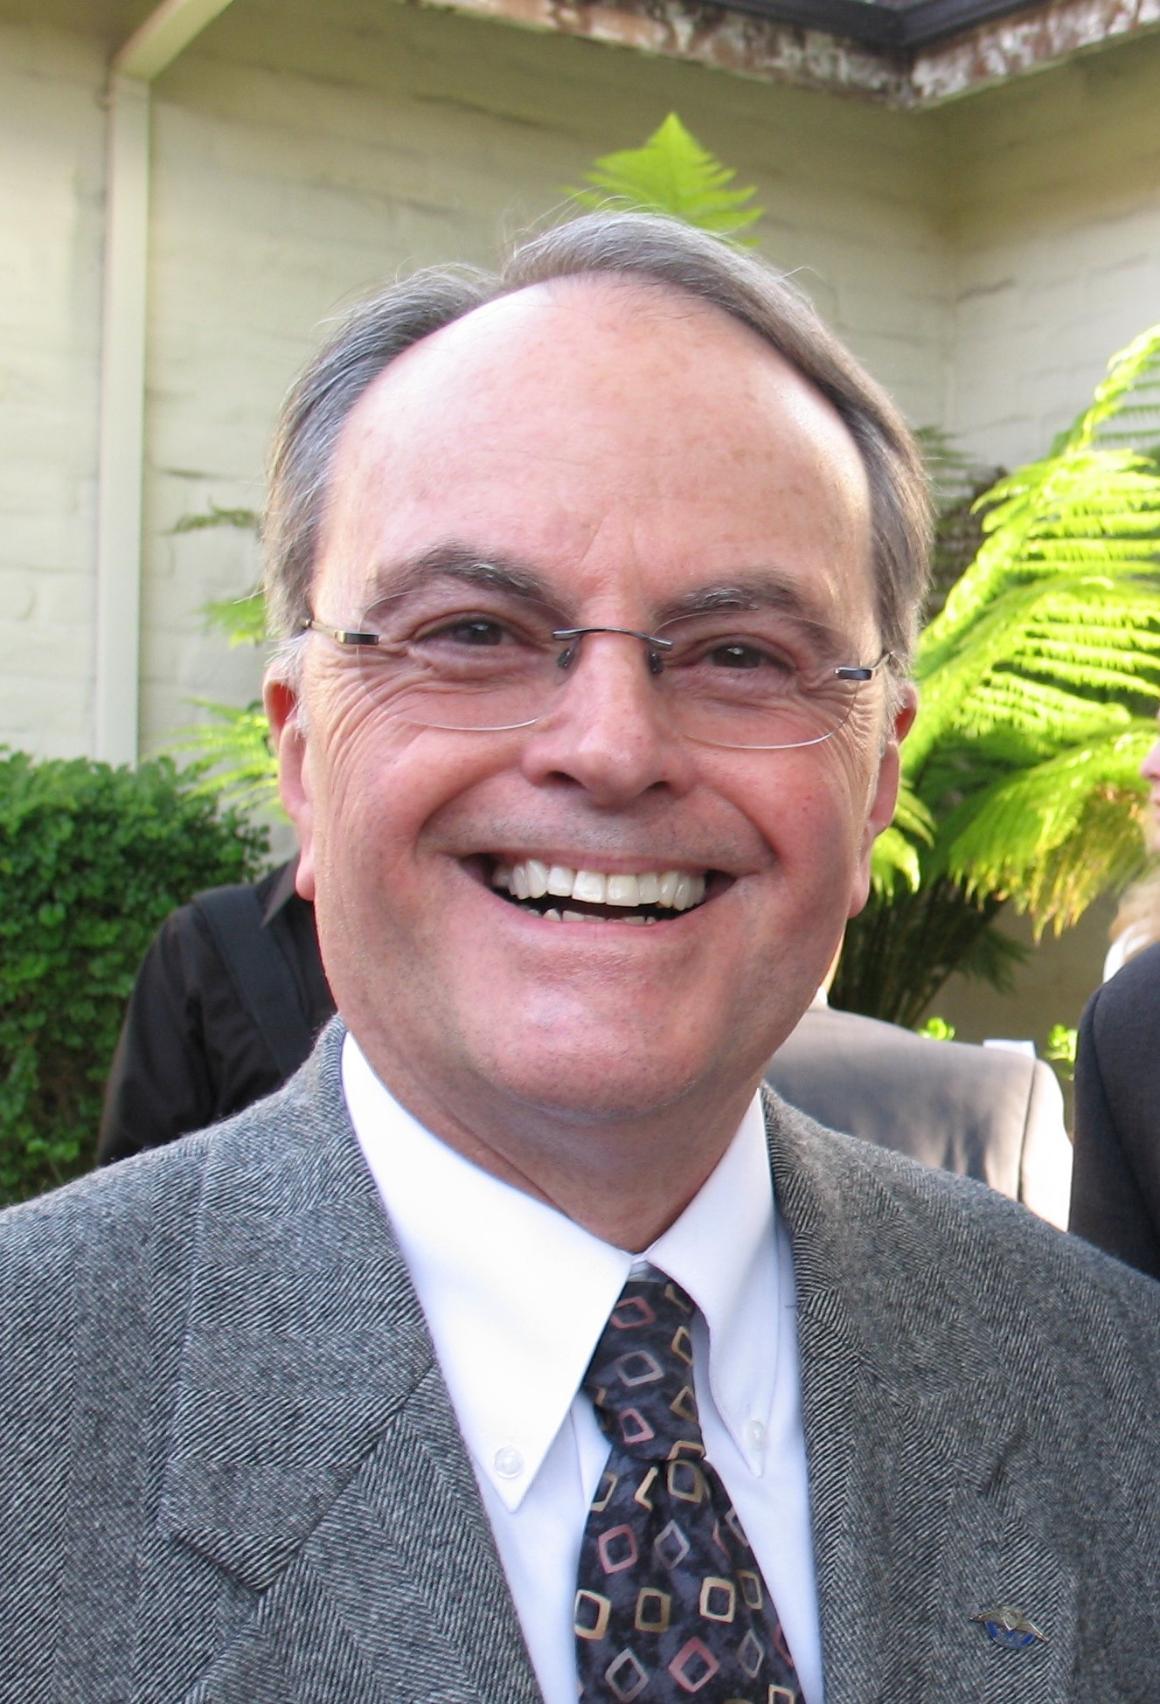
pixel 623 890
pixel 560 880
pixel 531 878
pixel 589 886
pixel 667 892
pixel 553 915
pixel 685 895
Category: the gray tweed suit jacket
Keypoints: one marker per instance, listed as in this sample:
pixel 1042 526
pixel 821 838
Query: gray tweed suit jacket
pixel 230 1471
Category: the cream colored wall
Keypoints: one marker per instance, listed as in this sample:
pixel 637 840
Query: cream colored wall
pixel 1054 186
pixel 51 188
pixel 299 161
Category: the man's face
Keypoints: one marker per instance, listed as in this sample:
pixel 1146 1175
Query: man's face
pixel 625 448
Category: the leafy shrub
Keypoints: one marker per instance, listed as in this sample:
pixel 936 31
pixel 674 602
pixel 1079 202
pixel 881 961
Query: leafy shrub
pixel 91 859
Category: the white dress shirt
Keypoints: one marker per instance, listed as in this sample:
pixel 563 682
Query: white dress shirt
pixel 516 1297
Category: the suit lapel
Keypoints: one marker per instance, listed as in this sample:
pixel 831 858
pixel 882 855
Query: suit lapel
pixel 315 1463
pixel 921 1466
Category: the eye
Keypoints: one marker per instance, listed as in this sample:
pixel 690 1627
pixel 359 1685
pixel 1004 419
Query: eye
pixel 745 654
pixel 750 653
pixel 472 630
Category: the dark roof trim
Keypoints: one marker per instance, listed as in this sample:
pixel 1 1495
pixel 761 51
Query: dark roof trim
pixel 886 27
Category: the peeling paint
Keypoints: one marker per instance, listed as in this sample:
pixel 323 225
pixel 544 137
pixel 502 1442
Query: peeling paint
pixel 743 43
pixel 749 44
pixel 1029 41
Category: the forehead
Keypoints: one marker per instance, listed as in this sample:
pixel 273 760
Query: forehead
pixel 619 435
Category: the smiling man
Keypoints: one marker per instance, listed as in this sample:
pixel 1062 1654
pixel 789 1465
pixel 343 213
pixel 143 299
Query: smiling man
pixel 518 1350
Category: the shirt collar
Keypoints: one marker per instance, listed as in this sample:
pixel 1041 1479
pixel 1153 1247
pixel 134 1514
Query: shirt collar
pixel 516 1295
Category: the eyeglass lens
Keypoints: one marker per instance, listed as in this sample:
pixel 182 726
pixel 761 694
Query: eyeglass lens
pixel 740 678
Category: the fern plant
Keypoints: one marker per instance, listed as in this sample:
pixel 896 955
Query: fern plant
pixel 673 173
pixel 1038 681
pixel 232 757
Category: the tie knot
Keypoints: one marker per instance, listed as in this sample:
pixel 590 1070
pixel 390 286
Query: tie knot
pixel 640 1377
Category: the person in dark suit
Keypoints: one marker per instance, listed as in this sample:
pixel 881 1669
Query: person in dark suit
pixel 521 1348
pixel 1115 1191
pixel 228 1002
pixel 1115 1194
pixel 990 1113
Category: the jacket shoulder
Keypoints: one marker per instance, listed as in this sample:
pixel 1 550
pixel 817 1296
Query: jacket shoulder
pixel 876 1211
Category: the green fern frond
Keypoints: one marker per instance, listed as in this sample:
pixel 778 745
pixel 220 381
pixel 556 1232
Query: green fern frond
pixel 894 864
pixel 1034 675
pixel 1126 404
pixel 894 860
pixel 1029 655
pixel 242 620
pixel 1052 837
pixel 232 754
pixel 672 173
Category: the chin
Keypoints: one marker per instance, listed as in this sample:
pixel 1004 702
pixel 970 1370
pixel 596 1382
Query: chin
pixel 595 1085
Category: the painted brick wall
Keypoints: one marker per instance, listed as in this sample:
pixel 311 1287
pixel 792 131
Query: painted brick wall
pixel 298 163
pixel 1054 185
pixel 51 188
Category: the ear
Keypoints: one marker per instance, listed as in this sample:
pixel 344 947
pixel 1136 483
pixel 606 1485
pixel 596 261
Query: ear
pixel 288 737
pixel 884 794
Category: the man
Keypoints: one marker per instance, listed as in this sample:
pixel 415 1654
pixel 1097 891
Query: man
pixel 227 1004
pixel 990 1113
pixel 1115 1191
pixel 598 583
pixel 1115 1196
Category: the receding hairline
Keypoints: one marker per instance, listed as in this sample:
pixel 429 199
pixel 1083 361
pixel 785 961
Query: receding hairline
pixel 661 261
pixel 498 333
pixel 666 299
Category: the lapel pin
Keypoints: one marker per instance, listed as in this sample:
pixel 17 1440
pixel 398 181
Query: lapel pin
pixel 1009 1627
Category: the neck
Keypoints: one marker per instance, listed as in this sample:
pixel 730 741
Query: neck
pixel 624 1176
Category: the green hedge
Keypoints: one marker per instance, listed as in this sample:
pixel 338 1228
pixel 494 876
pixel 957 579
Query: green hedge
pixel 91 859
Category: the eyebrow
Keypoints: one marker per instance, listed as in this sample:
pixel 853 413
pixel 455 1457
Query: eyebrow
pixel 752 589
pixel 766 588
pixel 460 562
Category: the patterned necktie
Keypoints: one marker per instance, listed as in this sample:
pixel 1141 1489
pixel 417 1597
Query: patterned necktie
pixel 670 1601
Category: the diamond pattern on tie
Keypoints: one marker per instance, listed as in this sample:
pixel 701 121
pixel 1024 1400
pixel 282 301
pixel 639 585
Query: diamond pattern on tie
pixel 670 1603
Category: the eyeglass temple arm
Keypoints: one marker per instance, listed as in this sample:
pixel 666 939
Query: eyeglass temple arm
pixel 862 672
pixel 341 635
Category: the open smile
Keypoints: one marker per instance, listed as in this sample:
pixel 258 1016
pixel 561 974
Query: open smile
pixel 563 895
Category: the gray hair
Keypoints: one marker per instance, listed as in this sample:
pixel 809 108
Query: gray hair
pixel 637 246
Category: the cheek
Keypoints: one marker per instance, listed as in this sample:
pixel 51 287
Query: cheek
pixel 810 806
pixel 381 789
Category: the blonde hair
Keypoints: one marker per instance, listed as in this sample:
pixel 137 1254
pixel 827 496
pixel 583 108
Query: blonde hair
pixel 1136 924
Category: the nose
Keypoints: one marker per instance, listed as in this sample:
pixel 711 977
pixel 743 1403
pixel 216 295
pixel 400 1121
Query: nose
pixel 608 728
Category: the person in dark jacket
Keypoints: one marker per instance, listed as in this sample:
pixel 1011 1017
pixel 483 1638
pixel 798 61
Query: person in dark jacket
pixel 1115 1186
pixel 228 1002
